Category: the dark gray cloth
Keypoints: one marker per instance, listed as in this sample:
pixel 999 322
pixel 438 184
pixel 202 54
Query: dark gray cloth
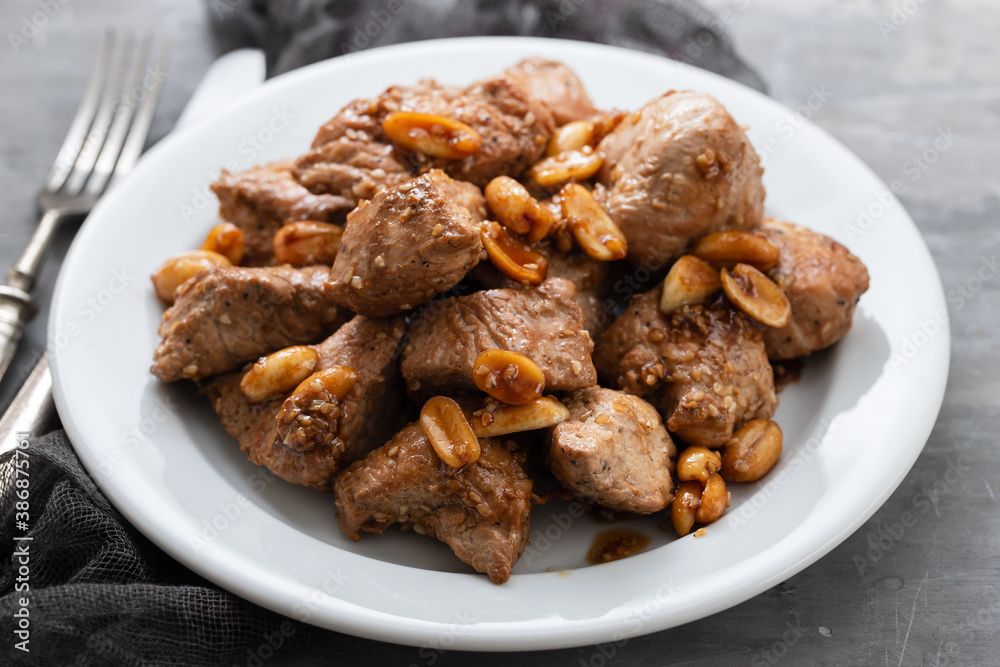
pixel 294 33
pixel 102 594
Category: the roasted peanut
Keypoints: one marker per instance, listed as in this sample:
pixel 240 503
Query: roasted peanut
pixel 714 500
pixel 604 123
pixel 545 412
pixel 727 249
pixel 698 463
pixel 227 240
pixel 449 432
pixel 509 377
pixel 516 260
pixel 307 242
pixel 516 209
pixel 690 280
pixel 309 416
pixel 684 508
pixel 592 228
pixel 572 136
pixel 567 166
pixel 756 295
pixel 752 451
pixel 178 269
pixel 278 373
pixel 437 136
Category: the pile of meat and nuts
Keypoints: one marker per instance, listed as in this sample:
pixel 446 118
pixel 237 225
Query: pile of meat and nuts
pixel 458 295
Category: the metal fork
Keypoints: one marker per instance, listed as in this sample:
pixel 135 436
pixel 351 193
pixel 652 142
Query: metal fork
pixel 104 141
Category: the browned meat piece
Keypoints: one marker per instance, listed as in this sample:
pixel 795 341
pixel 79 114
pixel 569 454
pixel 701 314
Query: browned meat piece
pixel 226 316
pixel 542 323
pixel 363 420
pixel 822 280
pixel 409 243
pixel 351 155
pixel 614 451
pixel 260 200
pixel 704 367
pixel 555 86
pixel 482 511
pixel 591 277
pixel 678 169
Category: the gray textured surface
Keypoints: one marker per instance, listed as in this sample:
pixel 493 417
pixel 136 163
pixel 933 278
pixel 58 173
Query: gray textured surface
pixel 927 593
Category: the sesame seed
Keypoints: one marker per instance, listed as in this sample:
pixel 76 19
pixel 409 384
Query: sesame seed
pixel 378 172
pixel 419 529
pixel 225 319
pixel 576 366
pixel 603 418
pixel 379 262
pixel 190 369
pixel 701 532
pixel 438 228
pixel 356 282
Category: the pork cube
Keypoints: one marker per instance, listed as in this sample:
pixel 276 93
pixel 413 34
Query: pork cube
pixel 614 451
pixel 482 510
pixel 226 316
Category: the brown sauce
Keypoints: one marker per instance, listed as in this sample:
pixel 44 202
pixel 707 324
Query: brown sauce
pixel 786 372
pixel 616 544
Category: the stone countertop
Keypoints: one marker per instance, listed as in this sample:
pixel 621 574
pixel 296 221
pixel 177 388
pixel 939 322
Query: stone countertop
pixel 911 87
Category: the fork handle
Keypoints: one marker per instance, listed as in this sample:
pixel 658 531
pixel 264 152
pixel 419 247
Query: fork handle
pixel 22 274
pixel 15 309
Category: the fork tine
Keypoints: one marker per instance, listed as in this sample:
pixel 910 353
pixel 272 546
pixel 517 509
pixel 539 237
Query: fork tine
pixel 83 119
pixel 139 131
pixel 122 120
pixel 102 121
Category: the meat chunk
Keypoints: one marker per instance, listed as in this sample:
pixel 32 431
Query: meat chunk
pixel 678 169
pixel 591 277
pixel 409 243
pixel 822 280
pixel 226 316
pixel 260 200
pixel 614 451
pixel 555 86
pixel 482 511
pixel 309 452
pixel 542 323
pixel 704 367
pixel 352 156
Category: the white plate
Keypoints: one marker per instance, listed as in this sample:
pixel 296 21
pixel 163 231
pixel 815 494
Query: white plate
pixel 158 452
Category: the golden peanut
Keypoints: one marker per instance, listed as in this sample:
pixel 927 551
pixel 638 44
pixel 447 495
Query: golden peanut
pixel 690 280
pixel 437 136
pixel 697 463
pixel 516 260
pixel 227 240
pixel 449 432
pixel 310 415
pixel 572 136
pixel 684 508
pixel 307 242
pixel 604 123
pixel 545 412
pixel 178 269
pixel 752 451
pixel 714 500
pixel 727 249
pixel 567 166
pixel 756 295
pixel 592 228
pixel 509 377
pixel 516 209
pixel 278 373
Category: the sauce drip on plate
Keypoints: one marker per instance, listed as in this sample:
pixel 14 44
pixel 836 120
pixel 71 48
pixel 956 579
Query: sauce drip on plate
pixel 616 544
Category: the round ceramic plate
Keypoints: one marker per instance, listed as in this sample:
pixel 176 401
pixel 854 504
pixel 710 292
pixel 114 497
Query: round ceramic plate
pixel 853 424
